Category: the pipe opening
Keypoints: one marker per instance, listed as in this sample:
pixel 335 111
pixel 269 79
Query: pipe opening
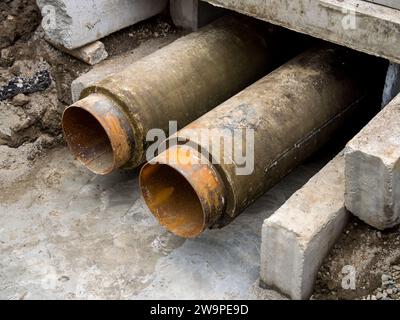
pixel 88 140
pixel 172 200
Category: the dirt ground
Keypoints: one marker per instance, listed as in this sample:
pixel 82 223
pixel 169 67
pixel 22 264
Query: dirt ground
pixel 30 124
pixel 32 153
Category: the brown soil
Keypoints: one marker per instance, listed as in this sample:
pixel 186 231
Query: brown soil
pixel 30 124
pixel 375 257
pixel 18 19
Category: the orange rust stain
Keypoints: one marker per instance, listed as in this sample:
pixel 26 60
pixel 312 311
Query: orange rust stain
pixel 163 196
pixel 204 180
pixel 118 136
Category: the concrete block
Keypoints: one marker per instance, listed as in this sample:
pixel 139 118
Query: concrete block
pixel 75 23
pixel 357 24
pixel 297 238
pixel 116 64
pixel 91 54
pixel 373 170
pixel 193 14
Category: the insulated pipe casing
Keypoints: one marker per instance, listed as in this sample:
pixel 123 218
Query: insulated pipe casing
pixel 179 83
pixel 291 113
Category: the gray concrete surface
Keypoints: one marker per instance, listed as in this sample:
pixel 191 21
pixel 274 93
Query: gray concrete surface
pixel 360 25
pixel 193 14
pixel 298 237
pixel 75 23
pixel 92 54
pixel 184 13
pixel 373 170
pixel 68 234
pixel 389 3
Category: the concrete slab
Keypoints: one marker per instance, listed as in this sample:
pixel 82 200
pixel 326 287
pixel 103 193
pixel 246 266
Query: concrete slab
pixel 297 238
pixel 75 23
pixel 373 170
pixel 357 24
pixel 68 234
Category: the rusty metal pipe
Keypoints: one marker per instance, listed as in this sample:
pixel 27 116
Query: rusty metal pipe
pixel 107 129
pixel 291 112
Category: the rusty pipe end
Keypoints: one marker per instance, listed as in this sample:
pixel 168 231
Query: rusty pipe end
pixel 98 134
pixel 183 191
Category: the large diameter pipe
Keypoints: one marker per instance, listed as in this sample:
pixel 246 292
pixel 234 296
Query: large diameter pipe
pixel 107 128
pixel 290 112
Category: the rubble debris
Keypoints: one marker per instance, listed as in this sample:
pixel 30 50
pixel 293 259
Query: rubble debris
pixel 39 82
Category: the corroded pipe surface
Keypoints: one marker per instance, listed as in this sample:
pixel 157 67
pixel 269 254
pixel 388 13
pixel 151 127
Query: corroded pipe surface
pixel 290 113
pixel 107 129
pixel 197 190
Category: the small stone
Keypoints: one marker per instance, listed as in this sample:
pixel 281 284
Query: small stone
pixel 386 278
pixel 379 234
pixel 6 57
pixel 373 297
pixel 16 70
pixel 3 77
pixel 379 296
pixel 64 279
pixel 20 100
pixel 389 291
pixel 331 285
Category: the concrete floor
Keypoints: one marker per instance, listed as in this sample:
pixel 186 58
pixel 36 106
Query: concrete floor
pixel 68 234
